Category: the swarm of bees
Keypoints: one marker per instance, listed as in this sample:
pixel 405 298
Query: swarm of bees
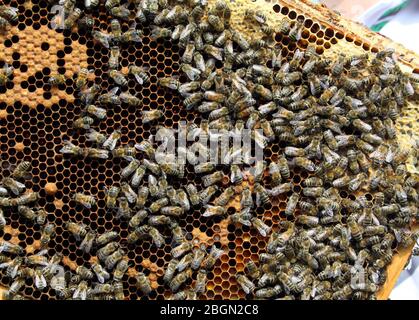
pixel 334 117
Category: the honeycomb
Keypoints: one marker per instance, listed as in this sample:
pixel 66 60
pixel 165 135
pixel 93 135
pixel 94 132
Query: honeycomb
pixel 35 119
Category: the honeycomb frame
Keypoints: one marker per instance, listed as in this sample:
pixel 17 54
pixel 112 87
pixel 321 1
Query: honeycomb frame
pixel 33 126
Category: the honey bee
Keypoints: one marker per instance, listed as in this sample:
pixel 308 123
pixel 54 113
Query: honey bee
pixel 292 204
pixel 194 197
pixel 110 97
pixel 114 58
pixel 114 258
pixel 88 241
pixel 181 249
pixel 120 270
pixel 280 189
pixel 81 291
pixel 244 282
pixel 179 279
pixel 139 73
pixel 82 78
pixel 77 230
pixel 109 4
pixel 9 13
pixel 86 22
pixel 12 267
pixel 56 80
pixel 101 274
pixel 212 178
pixel 72 18
pixel 212 211
pixel 131 35
pixel 126 151
pixel 260 226
pixel 16 285
pixel 118 77
pixel 121 12
pixel 356 182
pixel 86 201
pixel 14 186
pixel 47 233
pixel 83 123
pixel 151 115
pixel 170 270
pixel 99 113
pixel 142 197
pixel 130 99
pixel 39 279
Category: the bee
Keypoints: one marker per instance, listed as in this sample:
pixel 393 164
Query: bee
pixel 39 279
pixel 170 270
pixel 123 210
pixel 212 178
pixel 139 73
pixel 244 282
pixel 159 220
pixel 110 97
pixel 121 12
pixel 181 249
pixel 206 194
pixel 201 281
pixel 86 23
pixel 142 197
pixel 280 189
pixel 118 77
pixel 101 274
pixel 225 197
pixel 12 267
pixel 109 4
pixel 114 58
pixel 194 197
pixel 106 237
pixel 99 113
pixel 8 247
pixel 191 72
pixel 77 230
pixel 3 25
pixel 151 115
pixel 114 258
pixel 177 232
pixel 292 204
pixel 124 152
pixel 283 167
pixel 131 35
pixel 212 211
pixel 14 186
pixel 86 201
pixel 2 220
pixel 260 226
pixel 47 233
pixel 27 213
pixel 84 273
pixel 41 216
pixel 83 123
pixel 81 291
pixel 179 279
pixel 16 286
pixel 120 270
pixel 9 13
pixel 137 219
pixel 356 182
pixel 130 99
pixel 56 80
pixel 159 32
pixel 262 195
pixel 169 82
pixel 309 221
pixel 129 194
pixel 72 18
pixel 87 242
pixel 185 262
pixel 82 78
